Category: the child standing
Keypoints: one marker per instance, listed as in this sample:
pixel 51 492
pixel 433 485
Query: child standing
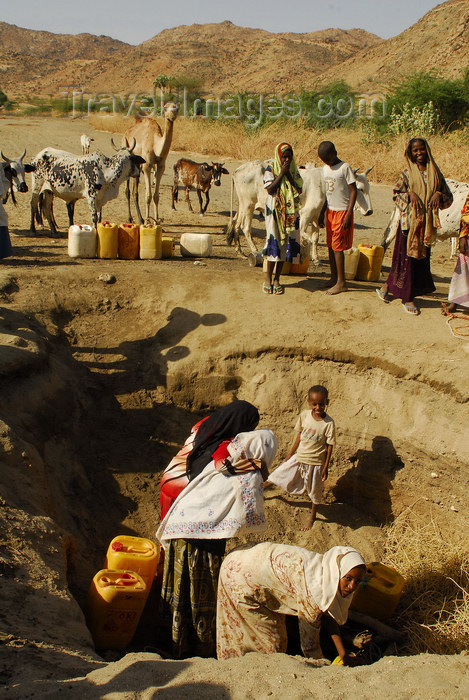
pixel 341 193
pixel 306 467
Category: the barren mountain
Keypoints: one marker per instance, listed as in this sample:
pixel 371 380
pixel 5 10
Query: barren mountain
pixel 439 40
pixel 40 62
pixel 228 58
pixel 223 56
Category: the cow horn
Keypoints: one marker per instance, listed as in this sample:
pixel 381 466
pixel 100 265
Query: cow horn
pixel 114 145
pixel 5 158
pixel 22 155
pixel 134 144
pixel 369 170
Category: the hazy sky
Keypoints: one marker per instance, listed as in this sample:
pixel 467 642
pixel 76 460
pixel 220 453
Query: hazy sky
pixel 139 20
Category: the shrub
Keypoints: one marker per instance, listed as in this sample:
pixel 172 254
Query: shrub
pixel 449 97
pixel 414 120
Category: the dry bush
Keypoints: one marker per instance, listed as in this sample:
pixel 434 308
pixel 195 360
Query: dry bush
pixel 434 609
pixel 217 138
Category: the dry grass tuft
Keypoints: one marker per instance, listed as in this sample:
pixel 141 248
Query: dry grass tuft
pixel 434 608
pixel 216 138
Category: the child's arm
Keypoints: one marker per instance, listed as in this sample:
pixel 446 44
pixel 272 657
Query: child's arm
pixel 353 197
pixel 264 471
pixel 294 447
pixel 332 628
pixel 322 215
pixel 325 469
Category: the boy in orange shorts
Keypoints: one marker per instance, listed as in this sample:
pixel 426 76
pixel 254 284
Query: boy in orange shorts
pixel 341 193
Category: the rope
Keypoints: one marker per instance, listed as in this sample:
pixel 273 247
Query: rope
pixel 458 331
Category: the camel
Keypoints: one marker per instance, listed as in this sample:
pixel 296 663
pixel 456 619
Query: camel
pixel 153 145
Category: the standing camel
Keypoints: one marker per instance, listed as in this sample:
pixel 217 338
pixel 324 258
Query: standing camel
pixel 153 145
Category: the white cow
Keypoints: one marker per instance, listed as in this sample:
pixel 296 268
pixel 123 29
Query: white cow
pixel 85 144
pixel 248 180
pixel 449 218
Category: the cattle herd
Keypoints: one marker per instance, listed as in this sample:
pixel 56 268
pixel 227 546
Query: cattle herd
pixel 97 179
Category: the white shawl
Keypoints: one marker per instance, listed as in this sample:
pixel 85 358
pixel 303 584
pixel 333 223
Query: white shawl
pixel 216 505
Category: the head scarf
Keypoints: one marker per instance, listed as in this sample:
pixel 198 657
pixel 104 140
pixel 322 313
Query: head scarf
pixel 223 424
pixel 286 196
pixel 258 445
pixel 423 221
pixel 323 573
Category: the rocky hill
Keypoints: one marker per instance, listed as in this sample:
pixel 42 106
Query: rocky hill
pixel 440 40
pixel 228 58
pixel 224 56
pixel 40 62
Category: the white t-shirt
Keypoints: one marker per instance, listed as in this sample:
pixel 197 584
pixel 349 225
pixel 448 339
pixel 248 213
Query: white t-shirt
pixel 338 177
pixel 315 435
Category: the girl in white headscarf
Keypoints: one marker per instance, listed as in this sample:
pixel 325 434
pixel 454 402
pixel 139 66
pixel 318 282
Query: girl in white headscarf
pixel 259 585
pixel 224 500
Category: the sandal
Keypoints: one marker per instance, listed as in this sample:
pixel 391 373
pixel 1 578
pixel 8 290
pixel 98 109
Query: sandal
pixel 267 288
pixel 382 295
pixel 278 289
pixel 412 310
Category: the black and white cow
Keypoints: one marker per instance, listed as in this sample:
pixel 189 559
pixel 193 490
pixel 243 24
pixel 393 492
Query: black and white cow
pixel 14 170
pixel 94 177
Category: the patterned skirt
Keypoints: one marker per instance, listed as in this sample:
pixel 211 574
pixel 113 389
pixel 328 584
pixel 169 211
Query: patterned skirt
pixel 189 595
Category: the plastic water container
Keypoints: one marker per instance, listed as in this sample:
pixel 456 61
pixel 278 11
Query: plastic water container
pixel 128 241
pixel 198 245
pixel 298 268
pixel 113 607
pixel 255 259
pixel 133 554
pixel 82 241
pixel 369 263
pixel 379 592
pixel 150 242
pixel 167 247
pixel 351 258
pixel 107 240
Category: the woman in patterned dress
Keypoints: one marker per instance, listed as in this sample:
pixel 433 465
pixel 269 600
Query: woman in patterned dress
pixel 282 220
pixel 418 194
pixel 261 584
pixel 224 500
pixel 206 436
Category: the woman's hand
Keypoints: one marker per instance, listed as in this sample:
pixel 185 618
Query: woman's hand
pixel 415 200
pixel 434 202
pixel 463 245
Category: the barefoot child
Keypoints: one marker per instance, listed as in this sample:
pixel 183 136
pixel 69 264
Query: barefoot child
pixel 341 193
pixel 306 467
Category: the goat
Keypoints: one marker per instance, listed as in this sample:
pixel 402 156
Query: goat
pixel 85 144
pixel 198 176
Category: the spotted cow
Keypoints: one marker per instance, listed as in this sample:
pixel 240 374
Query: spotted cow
pixel 14 170
pixel 93 177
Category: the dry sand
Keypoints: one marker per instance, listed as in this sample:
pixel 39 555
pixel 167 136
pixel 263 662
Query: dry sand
pixel 101 383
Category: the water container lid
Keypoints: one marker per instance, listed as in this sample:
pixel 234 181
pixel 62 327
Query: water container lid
pixel 117 546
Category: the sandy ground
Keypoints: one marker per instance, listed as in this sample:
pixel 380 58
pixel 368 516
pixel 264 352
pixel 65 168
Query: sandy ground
pixel 101 383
